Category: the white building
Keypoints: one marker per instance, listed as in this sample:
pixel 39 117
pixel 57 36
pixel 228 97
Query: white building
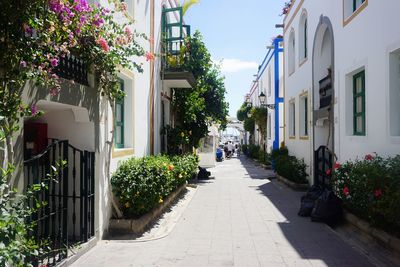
pixel 342 80
pixel 77 126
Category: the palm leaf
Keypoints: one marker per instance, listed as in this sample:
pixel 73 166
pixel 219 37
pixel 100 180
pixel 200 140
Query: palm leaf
pixel 187 4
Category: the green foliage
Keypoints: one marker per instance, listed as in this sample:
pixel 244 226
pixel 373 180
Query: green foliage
pixel 244 109
pixel 370 188
pixel 256 152
pixel 260 115
pixel 199 107
pixel 15 245
pixel 141 184
pixel 249 124
pixel 288 166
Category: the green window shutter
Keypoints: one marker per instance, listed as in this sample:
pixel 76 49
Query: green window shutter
pixel 305 116
pixel 305 39
pixel 359 103
pixel 119 120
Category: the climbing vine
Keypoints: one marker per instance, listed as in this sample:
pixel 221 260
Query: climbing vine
pixel 260 118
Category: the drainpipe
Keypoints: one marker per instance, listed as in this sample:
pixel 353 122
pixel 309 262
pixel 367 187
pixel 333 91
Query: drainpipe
pixel 278 99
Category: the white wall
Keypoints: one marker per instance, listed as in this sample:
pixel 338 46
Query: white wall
pixel 365 42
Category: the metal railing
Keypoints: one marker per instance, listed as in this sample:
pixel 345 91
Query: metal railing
pixel 68 217
pixel 73 68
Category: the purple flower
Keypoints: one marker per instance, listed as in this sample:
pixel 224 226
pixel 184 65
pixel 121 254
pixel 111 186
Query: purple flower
pixel 70 36
pixel 54 62
pixel 27 29
pixel 56 6
pixel 82 19
pixel 34 110
pixel 22 64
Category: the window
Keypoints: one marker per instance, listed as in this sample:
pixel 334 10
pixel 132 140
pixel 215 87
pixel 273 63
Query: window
pixel 119 120
pixel 291 53
pixel 351 8
pixel 394 107
pixel 359 103
pixel 357 4
pixel 304 115
pixel 269 130
pixel 303 37
pixel 292 119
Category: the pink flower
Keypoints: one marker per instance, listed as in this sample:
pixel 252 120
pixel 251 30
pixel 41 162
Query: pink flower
pixel 128 31
pixel 336 165
pixel 328 172
pixel 123 7
pixel 103 43
pixel 34 110
pixel 378 193
pixel 54 62
pixel 22 64
pixel 54 91
pixel 149 56
pixel 346 191
pixel 369 157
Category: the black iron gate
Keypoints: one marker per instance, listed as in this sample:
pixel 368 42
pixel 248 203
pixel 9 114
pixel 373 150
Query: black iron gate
pixel 323 158
pixel 68 217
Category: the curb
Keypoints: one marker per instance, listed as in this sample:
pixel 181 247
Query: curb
pixel 383 238
pixel 139 226
pixel 293 185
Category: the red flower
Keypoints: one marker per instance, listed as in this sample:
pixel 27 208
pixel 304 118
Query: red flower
pixel 378 193
pixel 336 166
pixel 369 157
pixel 328 172
pixel 149 56
pixel 346 191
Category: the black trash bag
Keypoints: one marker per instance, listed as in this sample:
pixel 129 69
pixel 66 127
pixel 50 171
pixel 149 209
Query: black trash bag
pixel 308 200
pixel 203 174
pixel 327 208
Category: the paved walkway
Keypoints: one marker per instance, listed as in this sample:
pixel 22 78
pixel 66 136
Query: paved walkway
pixel 238 219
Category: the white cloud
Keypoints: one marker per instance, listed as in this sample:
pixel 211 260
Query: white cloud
pixel 229 65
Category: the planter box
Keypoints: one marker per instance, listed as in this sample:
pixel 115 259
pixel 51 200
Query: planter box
pixel 139 226
pixel 390 242
pixel 293 185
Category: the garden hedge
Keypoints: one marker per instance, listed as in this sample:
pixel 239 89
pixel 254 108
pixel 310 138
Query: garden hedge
pixel 141 183
pixel 290 167
pixel 370 188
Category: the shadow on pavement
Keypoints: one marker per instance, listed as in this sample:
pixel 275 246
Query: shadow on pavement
pixel 312 241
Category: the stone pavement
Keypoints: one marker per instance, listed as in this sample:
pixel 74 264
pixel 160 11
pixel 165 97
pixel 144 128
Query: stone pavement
pixel 237 219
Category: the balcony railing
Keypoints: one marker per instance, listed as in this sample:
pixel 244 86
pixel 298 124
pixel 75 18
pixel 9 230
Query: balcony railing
pixel 73 68
pixel 175 46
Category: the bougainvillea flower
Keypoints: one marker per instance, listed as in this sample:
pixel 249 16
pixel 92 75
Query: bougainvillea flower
pixel 378 193
pixel 54 62
pixel 346 191
pixel 149 56
pixel 23 64
pixel 34 110
pixel 369 157
pixel 328 172
pixel 336 165
pixel 54 91
pixel 27 29
pixel 103 44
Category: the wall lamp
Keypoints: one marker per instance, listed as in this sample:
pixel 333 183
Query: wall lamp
pixel 262 97
pixel 279 25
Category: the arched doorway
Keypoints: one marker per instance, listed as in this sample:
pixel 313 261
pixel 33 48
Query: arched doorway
pixel 323 100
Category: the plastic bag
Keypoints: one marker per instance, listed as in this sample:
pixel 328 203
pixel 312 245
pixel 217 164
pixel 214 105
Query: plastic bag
pixel 327 208
pixel 308 200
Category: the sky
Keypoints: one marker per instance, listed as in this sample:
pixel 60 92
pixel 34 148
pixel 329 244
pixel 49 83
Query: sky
pixel 238 33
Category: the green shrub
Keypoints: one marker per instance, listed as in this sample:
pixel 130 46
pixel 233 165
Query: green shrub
pixel 141 184
pixel 244 149
pixel 291 168
pixel 370 188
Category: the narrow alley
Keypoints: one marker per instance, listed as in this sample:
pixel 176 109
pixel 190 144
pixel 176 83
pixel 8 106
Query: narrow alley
pixel 239 218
